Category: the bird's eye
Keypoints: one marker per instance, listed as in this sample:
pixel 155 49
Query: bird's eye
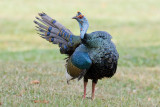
pixel 80 16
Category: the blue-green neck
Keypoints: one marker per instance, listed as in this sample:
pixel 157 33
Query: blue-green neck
pixel 83 27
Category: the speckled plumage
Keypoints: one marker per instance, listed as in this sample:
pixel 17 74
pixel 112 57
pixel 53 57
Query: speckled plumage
pixel 102 52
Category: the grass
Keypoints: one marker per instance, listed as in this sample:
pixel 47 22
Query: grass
pixel 24 56
pixel 131 86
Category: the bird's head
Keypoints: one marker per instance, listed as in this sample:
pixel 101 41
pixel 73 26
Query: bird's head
pixel 83 23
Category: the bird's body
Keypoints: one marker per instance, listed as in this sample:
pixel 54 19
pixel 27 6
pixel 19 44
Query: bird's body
pixel 102 52
pixel 92 56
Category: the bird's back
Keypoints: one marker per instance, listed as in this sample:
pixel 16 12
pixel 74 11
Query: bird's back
pixel 102 52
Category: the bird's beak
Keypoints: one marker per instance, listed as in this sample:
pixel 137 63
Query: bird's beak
pixel 75 17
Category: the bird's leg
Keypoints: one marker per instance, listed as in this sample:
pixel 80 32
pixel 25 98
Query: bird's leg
pixel 94 82
pixel 85 85
pixel 93 90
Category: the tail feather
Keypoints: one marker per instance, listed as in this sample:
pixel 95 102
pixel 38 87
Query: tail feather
pixel 48 30
pixel 53 22
pixel 51 33
pixel 54 40
pixel 40 25
pixel 54 32
pixel 44 22
pixel 46 18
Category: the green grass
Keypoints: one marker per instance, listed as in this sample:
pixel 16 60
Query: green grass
pixel 24 56
pixel 131 86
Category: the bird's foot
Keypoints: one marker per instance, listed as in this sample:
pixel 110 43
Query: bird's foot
pixel 92 98
pixel 84 96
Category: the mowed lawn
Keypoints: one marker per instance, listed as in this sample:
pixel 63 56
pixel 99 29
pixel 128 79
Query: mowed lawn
pixel 25 57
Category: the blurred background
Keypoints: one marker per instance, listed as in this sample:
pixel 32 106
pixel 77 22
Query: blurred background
pixel 134 26
pixel 24 56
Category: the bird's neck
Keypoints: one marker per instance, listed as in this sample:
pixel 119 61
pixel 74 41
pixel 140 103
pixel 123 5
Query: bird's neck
pixel 83 29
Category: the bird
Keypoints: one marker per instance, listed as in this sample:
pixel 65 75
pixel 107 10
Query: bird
pixel 89 55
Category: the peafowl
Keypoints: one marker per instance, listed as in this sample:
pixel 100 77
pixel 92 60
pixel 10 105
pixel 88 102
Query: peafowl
pixel 90 55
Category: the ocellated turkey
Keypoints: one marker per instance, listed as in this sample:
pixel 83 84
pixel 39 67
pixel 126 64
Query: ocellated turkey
pixel 90 55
